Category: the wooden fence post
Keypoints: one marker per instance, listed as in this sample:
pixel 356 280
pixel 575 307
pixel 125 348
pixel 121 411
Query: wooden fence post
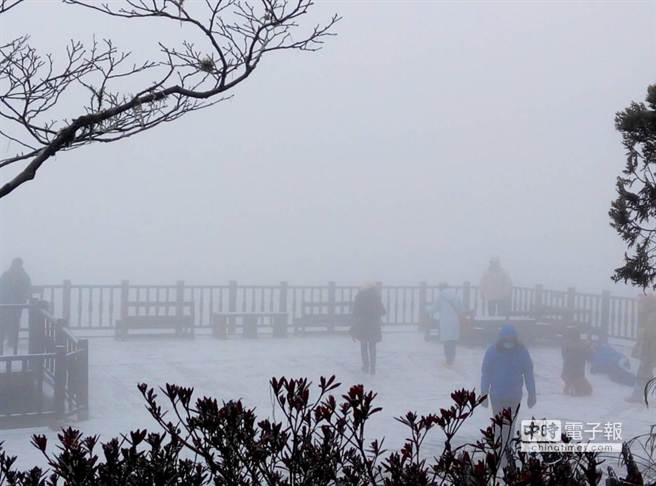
pixel 60 381
pixel 281 322
pixel 282 303
pixel 379 287
pixel 604 323
pixel 179 298
pixel 466 296
pixel 66 300
pixel 571 303
pixel 83 385
pixel 539 293
pixel 331 306
pixel 423 303
pixel 36 333
pixel 232 296
pixel 125 296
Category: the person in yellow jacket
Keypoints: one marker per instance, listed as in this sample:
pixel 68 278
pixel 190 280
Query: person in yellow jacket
pixel 496 289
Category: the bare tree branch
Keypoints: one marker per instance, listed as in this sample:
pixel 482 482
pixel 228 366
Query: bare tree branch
pixel 5 5
pixel 187 77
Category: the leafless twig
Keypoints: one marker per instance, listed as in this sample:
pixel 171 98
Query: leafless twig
pixel 189 77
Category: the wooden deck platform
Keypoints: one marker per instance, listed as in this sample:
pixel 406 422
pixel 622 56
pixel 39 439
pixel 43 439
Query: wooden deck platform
pixel 411 376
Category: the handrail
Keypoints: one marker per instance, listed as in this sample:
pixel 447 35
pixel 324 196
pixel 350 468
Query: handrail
pixel 22 357
pixel 15 306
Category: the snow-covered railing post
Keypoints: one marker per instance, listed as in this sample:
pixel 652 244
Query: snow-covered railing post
pixel 466 296
pixel 539 291
pixel 36 341
pixel 232 296
pixel 604 318
pixel 570 303
pixel 66 300
pixel 331 306
pixel 60 381
pixel 125 296
pixel 83 392
pixel 423 302
pixel 179 298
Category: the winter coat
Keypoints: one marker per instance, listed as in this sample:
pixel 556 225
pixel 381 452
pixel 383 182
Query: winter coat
pixel 504 371
pixel 606 359
pixel 368 310
pixel 575 353
pixel 15 286
pixel 450 308
pixel 496 284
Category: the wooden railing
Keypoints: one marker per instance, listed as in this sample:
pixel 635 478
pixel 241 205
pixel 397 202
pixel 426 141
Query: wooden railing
pixel 91 307
pixel 50 373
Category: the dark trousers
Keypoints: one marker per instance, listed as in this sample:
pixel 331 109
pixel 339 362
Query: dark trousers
pixel 9 325
pixel 450 351
pixel 368 353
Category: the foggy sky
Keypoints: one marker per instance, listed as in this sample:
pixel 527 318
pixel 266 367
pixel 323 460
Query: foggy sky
pixel 424 139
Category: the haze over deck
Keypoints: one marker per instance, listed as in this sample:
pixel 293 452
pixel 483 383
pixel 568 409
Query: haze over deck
pixel 425 138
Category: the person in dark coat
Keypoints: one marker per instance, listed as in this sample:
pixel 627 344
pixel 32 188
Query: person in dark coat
pixel 575 353
pixel 15 288
pixel 368 311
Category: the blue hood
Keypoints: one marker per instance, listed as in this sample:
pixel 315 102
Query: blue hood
pixel 507 330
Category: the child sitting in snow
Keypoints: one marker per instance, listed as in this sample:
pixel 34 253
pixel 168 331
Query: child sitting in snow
pixel 575 352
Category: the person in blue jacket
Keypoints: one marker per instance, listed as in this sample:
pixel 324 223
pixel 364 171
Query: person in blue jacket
pixel 607 360
pixel 507 366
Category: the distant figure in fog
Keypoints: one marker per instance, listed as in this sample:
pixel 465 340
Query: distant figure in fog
pixel 575 353
pixel 507 366
pixel 15 288
pixel 496 288
pixel 451 312
pixel 368 310
pixel 645 348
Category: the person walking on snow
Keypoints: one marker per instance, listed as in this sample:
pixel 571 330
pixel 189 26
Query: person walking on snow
pixel 507 367
pixel 496 288
pixel 368 311
pixel 451 312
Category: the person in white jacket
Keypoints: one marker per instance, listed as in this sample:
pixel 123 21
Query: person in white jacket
pixel 496 289
pixel 450 309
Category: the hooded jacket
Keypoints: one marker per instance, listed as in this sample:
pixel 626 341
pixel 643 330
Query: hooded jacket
pixel 504 371
pixel 449 307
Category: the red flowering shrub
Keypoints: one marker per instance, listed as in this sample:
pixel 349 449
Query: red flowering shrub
pixel 318 441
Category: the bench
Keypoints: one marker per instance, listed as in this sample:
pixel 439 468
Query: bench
pixel 540 323
pixel 326 315
pixel 225 322
pixel 178 316
pixel 485 331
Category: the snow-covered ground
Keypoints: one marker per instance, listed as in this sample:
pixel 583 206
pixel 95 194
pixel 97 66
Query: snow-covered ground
pixel 411 376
